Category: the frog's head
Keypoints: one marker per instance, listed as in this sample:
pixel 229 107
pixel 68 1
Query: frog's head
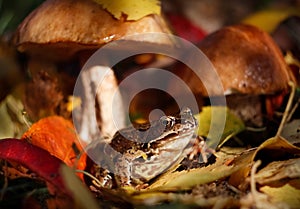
pixel 183 122
pixel 172 127
pixel 168 147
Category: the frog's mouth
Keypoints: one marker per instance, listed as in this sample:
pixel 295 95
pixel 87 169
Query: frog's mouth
pixel 171 139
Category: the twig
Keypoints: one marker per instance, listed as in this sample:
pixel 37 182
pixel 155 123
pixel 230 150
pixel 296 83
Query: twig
pixel 25 119
pixel 98 183
pixel 252 179
pixel 287 109
pixel 253 129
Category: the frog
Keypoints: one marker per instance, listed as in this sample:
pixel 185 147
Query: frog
pixel 139 153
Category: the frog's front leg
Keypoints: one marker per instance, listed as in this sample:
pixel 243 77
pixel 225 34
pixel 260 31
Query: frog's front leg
pixel 123 171
pixel 104 177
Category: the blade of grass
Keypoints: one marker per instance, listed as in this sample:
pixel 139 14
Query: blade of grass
pixel 82 196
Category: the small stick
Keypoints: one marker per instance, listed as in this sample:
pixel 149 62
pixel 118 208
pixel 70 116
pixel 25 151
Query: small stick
pixel 95 180
pixel 287 109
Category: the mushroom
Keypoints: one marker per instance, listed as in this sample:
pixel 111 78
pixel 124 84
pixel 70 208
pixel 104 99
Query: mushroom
pixel 249 65
pixel 60 31
pixel 62 28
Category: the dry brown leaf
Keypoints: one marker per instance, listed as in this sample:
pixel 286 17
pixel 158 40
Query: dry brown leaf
pixel 244 161
pixel 279 170
pixel 291 132
pixel 275 148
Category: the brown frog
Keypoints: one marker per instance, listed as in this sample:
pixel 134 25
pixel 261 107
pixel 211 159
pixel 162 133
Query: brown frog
pixel 135 155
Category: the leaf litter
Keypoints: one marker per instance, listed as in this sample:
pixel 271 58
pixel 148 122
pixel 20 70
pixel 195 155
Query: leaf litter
pixel 232 172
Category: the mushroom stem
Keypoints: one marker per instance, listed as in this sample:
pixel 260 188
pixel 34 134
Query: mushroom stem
pixel 101 104
pixel 110 103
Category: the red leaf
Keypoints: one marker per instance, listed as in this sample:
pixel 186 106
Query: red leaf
pixel 185 28
pixel 273 102
pixel 34 158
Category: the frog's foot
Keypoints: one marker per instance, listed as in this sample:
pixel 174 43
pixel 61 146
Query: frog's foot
pixel 200 147
pixel 103 176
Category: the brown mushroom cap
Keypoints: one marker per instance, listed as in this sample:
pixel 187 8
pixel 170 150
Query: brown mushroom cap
pixel 247 61
pixel 63 27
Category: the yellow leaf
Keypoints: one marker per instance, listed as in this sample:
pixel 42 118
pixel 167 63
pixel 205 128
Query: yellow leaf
pixel 187 179
pixel 213 129
pixel 73 102
pixel 132 9
pixel 268 19
pixel 288 194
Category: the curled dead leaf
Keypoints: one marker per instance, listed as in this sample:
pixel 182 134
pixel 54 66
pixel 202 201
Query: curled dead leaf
pixel 275 148
pixel 34 158
pixel 279 170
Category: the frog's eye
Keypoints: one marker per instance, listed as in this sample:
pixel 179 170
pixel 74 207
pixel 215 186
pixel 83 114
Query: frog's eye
pixel 167 122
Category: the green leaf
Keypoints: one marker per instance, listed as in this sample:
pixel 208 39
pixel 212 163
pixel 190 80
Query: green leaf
pixel 82 196
pixel 213 129
pixel 12 121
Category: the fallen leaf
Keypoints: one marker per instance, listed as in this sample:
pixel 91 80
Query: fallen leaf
pixel 211 129
pixel 291 132
pixel 132 9
pixel 34 158
pixel 278 170
pixel 57 135
pixel 290 59
pixel 275 148
pixel 238 178
pixel 184 28
pixel 288 193
pixel 11 115
pixel 187 179
pixel 268 19
pixel 169 187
